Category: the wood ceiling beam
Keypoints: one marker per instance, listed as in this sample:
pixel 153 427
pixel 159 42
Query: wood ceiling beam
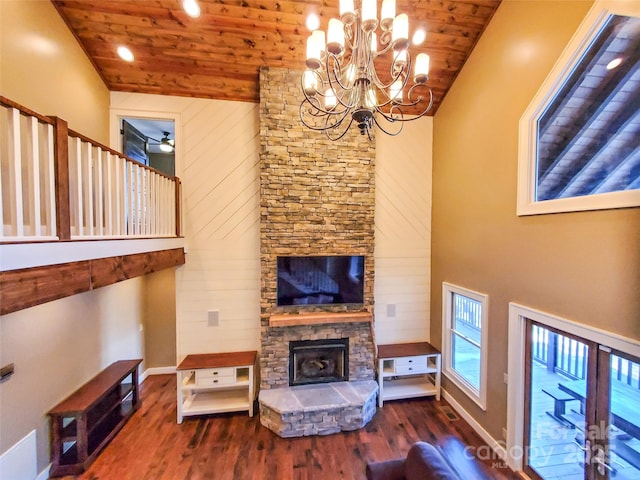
pixel 20 289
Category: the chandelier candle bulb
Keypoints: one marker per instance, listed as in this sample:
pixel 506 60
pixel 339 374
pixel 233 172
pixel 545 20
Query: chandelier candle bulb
pixel 387 14
pixel 400 33
pixel 335 37
pixel 369 15
pixel 421 72
pixel 374 43
pixel 310 84
pixel 347 11
pixel 315 47
pixel 329 99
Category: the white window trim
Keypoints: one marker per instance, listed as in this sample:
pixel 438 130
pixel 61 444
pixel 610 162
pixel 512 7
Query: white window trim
pixel 518 315
pixel 479 396
pixel 526 204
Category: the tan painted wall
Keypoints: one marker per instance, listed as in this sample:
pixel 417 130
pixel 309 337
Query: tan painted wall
pixel 42 67
pixel 582 266
pixel 160 319
pixel 58 346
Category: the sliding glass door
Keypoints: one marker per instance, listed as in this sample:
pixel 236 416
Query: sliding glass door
pixel 615 447
pixel 582 417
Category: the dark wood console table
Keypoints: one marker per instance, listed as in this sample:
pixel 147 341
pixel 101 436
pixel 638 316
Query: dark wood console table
pixel 83 423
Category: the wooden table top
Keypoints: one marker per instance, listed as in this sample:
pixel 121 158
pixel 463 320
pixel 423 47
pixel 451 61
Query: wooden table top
pixel 96 388
pixel 406 349
pixel 218 360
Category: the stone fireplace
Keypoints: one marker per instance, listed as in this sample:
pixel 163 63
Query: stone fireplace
pixel 317 197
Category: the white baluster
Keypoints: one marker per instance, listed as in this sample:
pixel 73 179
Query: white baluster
pixel 15 157
pixel 33 166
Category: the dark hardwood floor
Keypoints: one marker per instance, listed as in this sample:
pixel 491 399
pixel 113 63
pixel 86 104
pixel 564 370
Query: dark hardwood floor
pixel 152 446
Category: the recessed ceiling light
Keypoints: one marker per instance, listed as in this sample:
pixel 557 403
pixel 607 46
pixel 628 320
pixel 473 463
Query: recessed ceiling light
pixel 191 7
pixel 125 54
pixel 313 22
pixel 419 36
pixel 614 63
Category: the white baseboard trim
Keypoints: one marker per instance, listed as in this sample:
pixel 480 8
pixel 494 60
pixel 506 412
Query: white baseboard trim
pixel 496 446
pixel 19 462
pixel 157 371
pixel 44 474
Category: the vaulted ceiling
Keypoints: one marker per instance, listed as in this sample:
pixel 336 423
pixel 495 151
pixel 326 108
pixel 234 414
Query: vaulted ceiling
pixel 219 54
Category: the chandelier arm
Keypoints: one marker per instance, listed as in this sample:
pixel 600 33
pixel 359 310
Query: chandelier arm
pixel 389 116
pixel 385 40
pixel 419 99
pixel 316 110
pixel 335 128
pixel 384 130
pixel 348 36
pixel 345 92
pixel 316 113
pixel 385 87
pixel 337 71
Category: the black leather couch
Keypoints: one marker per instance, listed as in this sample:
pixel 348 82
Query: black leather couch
pixel 449 459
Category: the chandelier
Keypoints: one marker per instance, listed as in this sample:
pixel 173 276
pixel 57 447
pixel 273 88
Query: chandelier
pixel 346 80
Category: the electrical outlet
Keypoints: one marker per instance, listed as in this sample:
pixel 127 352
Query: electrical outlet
pixel 213 318
pixel 391 310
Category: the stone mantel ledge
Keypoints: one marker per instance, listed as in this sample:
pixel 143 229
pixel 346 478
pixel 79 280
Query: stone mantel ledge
pixel 316 318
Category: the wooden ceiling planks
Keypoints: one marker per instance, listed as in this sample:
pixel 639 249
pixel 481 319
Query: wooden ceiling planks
pixel 219 54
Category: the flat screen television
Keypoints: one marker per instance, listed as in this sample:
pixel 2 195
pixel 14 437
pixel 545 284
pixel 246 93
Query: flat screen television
pixel 320 280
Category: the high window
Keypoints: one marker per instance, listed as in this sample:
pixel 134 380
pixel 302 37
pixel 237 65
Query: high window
pixel 580 138
pixel 464 341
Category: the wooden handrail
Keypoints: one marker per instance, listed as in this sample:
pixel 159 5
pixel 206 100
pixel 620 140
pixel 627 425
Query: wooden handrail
pixel 73 133
pixel 4 101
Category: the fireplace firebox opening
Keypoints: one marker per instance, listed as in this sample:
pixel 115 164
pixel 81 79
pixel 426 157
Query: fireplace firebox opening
pixel 318 361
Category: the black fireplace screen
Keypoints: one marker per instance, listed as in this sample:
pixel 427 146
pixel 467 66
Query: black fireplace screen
pixel 318 361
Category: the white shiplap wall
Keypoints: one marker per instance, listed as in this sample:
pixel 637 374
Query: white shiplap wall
pixel 403 233
pixel 217 161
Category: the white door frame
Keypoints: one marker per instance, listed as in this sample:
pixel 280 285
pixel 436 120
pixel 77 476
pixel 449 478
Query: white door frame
pixel 516 366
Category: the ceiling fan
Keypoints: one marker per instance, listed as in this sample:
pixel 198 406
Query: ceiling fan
pixel 165 144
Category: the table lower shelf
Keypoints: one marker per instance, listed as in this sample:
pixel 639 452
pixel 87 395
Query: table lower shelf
pixel 215 401
pixel 407 387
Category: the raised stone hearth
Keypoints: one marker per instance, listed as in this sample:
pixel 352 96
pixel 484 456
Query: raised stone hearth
pixel 319 409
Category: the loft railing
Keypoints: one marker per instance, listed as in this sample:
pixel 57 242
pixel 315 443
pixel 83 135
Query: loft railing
pixel 57 184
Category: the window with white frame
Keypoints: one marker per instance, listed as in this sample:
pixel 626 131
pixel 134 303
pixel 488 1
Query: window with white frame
pixel 464 340
pixel 579 138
